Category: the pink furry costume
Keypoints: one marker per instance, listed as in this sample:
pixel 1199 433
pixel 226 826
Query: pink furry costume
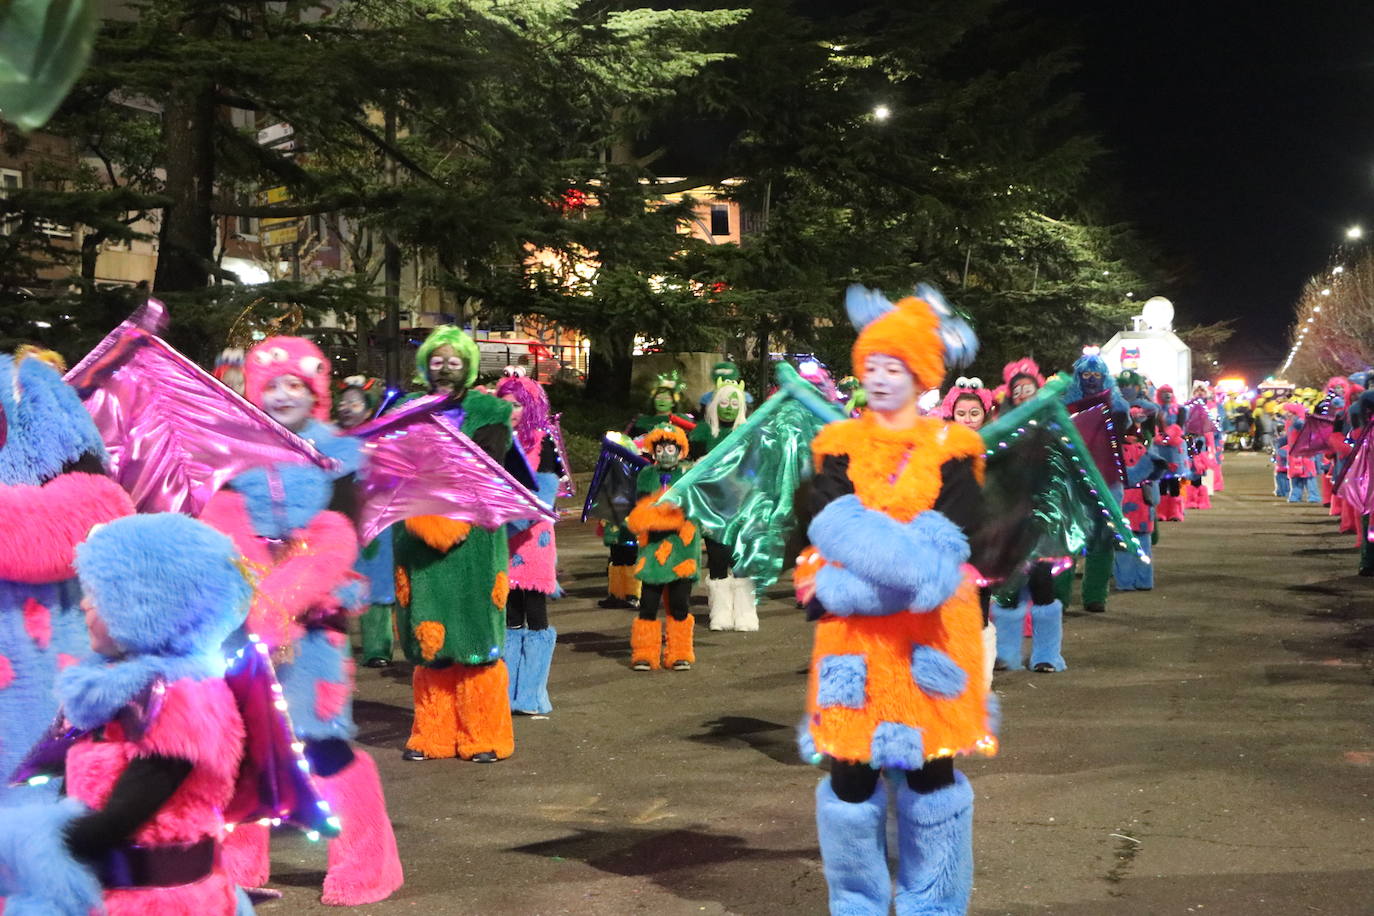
pixel 138 832
pixel 280 521
pixel 533 556
pixel 53 489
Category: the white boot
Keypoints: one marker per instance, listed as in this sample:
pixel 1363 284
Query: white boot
pixel 746 608
pixel 989 652
pixel 721 601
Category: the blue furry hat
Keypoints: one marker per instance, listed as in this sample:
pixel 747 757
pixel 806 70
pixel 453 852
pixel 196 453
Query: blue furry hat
pixel 1090 361
pixel 43 426
pixel 164 584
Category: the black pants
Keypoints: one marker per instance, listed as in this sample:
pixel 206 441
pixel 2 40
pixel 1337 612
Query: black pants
pixel 718 559
pixel 855 782
pixel 678 594
pixel 624 555
pixel 527 608
pixel 1168 486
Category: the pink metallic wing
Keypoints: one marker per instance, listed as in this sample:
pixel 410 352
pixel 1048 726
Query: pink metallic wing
pixel 418 462
pixel 174 433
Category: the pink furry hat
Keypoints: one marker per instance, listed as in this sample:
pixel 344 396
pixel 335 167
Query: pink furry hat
pixel 278 356
pixel 1022 367
pixel 963 388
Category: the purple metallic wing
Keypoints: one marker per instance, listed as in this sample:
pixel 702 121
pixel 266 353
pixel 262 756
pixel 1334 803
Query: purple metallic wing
pixel 1312 438
pixel 274 783
pixel 418 462
pixel 566 488
pixel 174 433
pixel 1093 417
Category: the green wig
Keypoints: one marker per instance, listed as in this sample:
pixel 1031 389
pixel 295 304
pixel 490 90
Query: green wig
pixel 460 342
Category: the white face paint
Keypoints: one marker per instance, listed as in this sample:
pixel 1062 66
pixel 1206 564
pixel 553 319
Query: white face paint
pixel 352 408
pixel 288 400
pixel 889 383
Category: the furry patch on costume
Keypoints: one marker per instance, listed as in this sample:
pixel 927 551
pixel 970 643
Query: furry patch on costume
pixel 898 472
pixel 47 426
pixel 320 667
pixel 646 518
pixel 38 875
pixel 922 557
pixel 936 673
pixel 43 524
pixel 155 600
pixel 364 865
pixel 284 498
pixel 438 532
pixel 842 680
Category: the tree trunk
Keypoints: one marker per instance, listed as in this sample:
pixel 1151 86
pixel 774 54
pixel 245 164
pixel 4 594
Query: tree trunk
pixel 186 243
pixel 764 379
pixel 609 368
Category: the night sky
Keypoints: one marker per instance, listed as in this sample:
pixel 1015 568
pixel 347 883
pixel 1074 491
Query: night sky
pixel 1242 139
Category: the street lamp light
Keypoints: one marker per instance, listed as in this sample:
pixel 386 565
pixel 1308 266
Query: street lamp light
pixel 1354 232
pixel 882 113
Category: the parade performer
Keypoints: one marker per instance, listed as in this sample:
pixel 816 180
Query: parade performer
pixel 665 404
pixel 722 372
pixel 897 671
pixel 1302 469
pixel 731 599
pixel 159 735
pixel 355 403
pixel 967 403
pixel 53 489
pixel 669 556
pixel 533 554
pixel 1020 381
pixel 1171 445
pixel 1131 571
pixel 281 521
pixel 1092 381
pixel 452 581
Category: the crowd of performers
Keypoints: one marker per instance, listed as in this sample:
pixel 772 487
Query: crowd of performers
pixel 187 559
pixel 1318 441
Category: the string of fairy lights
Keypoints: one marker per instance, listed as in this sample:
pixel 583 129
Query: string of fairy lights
pixel 1352 234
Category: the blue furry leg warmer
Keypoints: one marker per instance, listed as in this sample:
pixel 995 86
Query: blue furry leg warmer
pixel 530 693
pixel 854 851
pixel 1281 485
pixel 515 640
pixel 1010 623
pixel 935 850
pixel 38 874
pixel 1130 571
pixel 1047 635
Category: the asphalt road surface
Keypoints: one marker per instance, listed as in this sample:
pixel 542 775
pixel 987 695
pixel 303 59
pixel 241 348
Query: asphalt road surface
pixel 1209 750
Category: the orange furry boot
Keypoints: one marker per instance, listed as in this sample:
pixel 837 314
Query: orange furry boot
pixel 482 706
pixel 680 654
pixel 646 644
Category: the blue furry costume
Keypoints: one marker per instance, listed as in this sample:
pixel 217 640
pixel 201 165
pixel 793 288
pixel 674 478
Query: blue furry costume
pixel 53 490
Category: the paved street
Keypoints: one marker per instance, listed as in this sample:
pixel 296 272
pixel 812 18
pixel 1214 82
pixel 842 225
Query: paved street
pixel 1209 750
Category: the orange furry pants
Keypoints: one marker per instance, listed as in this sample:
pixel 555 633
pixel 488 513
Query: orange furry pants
pixel 462 710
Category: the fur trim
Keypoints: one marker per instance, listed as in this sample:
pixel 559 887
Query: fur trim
pixel 164 583
pixel 935 843
pixel 853 838
pixel 46 426
pixel 647 517
pixel 278 356
pixel 678 645
pixel 306 491
pixel 320 559
pixel 41 876
pixel 442 534
pixel 646 642
pixel 364 866
pixel 897 746
pixel 920 559
pixel 913 456
pixel 666 433
pixel 909 332
pixel 43 524
pixel 434 728
pixel 95 689
pixel 482 708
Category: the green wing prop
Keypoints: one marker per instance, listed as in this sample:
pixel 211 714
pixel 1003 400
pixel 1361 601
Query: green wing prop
pixel 44 46
pixel 741 493
pixel 1039 467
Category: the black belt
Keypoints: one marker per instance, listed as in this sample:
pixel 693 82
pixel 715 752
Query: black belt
pixel 128 867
